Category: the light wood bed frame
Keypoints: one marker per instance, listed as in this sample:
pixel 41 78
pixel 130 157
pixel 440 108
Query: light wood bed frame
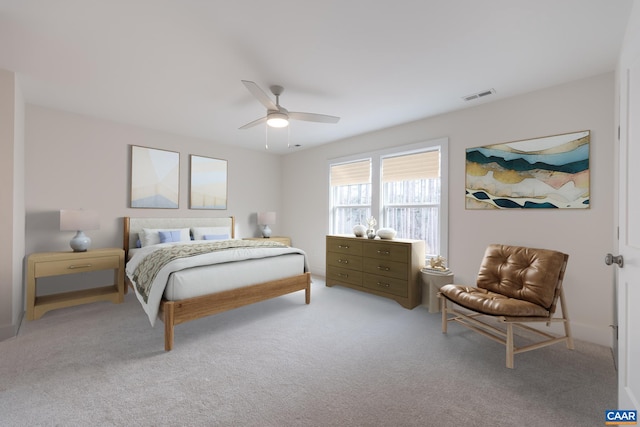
pixel 176 312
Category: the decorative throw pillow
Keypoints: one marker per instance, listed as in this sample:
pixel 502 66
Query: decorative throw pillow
pixel 169 236
pixel 200 232
pixel 215 236
pixel 151 236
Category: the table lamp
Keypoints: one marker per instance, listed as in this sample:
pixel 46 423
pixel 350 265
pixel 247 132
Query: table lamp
pixel 79 220
pixel 266 219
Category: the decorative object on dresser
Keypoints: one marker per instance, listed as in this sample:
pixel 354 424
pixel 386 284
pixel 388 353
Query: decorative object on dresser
pixel 266 219
pixel 371 227
pixel 79 220
pixel 387 233
pixel 388 268
pixel 49 264
pixel 359 230
pixel 187 280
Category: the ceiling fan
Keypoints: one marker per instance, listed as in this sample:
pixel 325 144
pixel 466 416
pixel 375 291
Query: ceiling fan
pixel 278 116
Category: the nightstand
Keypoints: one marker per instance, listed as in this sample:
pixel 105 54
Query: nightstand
pixel 47 264
pixel 279 239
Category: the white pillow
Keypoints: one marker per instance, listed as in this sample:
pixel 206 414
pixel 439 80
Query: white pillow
pixel 200 232
pixel 151 236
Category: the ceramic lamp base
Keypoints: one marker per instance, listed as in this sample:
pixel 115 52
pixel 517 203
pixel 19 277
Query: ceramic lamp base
pixel 266 231
pixel 80 242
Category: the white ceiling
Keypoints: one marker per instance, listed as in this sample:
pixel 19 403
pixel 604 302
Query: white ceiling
pixel 176 65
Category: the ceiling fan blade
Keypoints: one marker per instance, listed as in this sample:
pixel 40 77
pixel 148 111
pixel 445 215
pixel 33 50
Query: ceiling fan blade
pixel 313 117
pixel 254 123
pixel 260 95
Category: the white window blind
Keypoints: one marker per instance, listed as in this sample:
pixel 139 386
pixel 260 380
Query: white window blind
pixel 351 173
pixel 425 165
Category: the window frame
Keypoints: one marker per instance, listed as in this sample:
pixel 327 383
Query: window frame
pixel 377 207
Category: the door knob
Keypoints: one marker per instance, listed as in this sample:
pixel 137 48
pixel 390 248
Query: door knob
pixel 614 259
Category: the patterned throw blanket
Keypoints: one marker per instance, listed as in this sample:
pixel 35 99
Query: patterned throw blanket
pixel 145 273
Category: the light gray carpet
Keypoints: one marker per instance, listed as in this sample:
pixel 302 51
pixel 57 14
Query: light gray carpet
pixel 348 359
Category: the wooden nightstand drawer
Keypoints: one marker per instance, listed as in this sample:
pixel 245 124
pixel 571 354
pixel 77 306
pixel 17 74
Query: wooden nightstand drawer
pixel 385 284
pixel 70 266
pixel 349 261
pixel 385 268
pixel 387 251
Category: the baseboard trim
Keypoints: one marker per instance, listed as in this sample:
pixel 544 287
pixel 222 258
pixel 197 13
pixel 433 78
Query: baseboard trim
pixel 11 331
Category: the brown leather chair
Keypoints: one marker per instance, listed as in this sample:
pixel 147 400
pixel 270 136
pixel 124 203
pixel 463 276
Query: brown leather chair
pixel 515 285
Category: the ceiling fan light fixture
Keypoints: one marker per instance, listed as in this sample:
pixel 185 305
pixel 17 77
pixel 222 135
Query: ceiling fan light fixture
pixel 277 120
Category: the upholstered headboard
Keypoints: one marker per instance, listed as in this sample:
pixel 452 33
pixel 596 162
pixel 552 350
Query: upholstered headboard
pixel 132 226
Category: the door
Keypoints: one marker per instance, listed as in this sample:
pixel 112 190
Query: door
pixel 628 274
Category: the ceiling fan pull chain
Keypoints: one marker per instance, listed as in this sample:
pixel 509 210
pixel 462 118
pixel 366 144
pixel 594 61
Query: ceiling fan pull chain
pixel 266 137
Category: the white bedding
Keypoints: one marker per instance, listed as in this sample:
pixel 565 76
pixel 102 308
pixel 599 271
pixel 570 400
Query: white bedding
pixel 227 260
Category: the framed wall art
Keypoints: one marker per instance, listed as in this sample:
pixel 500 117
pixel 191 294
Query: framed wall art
pixel 208 183
pixel 549 172
pixel 155 178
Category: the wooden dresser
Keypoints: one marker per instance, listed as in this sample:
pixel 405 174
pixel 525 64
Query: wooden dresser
pixel 388 268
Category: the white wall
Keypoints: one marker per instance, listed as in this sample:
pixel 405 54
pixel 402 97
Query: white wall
pixel 584 234
pixel 75 161
pixel 11 203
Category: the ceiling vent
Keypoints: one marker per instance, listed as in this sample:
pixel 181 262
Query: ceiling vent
pixel 479 95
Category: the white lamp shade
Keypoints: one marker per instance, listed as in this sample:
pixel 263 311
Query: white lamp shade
pixel 78 220
pixel 266 218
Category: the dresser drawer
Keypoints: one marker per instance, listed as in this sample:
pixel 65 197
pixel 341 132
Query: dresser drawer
pixel 349 261
pixel 385 284
pixel 337 275
pixel 344 246
pixel 386 268
pixel 64 266
pixel 387 251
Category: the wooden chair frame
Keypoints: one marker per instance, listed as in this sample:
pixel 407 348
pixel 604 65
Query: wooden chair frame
pixel 470 320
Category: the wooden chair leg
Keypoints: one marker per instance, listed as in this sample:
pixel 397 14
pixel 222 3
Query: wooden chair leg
pixel 565 316
pixel 509 345
pixel 443 308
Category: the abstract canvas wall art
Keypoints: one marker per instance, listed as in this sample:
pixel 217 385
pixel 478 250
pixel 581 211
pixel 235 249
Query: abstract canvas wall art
pixel 548 172
pixel 155 178
pixel 208 183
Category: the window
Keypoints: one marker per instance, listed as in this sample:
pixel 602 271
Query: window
pixel 350 194
pixel 404 188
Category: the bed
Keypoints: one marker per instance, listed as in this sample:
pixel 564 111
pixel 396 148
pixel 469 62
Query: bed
pixel 209 273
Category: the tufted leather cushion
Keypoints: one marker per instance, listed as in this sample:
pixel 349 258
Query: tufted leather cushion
pixel 486 302
pixel 512 281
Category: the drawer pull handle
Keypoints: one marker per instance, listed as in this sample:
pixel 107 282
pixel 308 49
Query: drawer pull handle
pixel 383 268
pixel 384 252
pixel 71 267
pixel 343 246
pixel 343 261
pixel 343 275
pixel 384 285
